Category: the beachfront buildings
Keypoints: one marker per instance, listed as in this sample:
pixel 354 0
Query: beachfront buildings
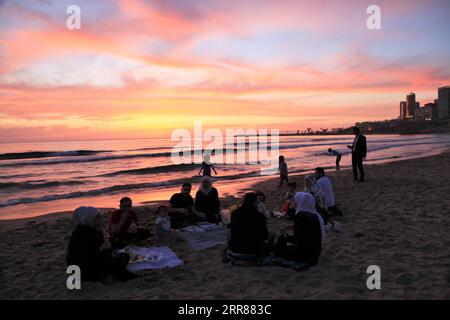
pixel 427 112
pixel 443 102
pixel 439 109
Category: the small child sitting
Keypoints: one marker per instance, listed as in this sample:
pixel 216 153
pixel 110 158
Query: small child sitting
pixel 288 206
pixel 162 223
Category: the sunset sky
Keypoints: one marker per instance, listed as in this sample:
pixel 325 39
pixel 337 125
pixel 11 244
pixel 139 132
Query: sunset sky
pixel 140 69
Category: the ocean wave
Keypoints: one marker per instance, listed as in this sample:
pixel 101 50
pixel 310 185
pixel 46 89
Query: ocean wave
pixel 92 159
pixel 90 193
pixel 47 154
pixel 22 175
pixel 159 169
pixel 36 185
pixel 123 188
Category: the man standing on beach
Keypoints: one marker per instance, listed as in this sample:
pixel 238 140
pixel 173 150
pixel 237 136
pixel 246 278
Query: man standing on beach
pixel 359 152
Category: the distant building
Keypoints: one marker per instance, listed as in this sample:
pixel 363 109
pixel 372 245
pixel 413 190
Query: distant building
pixel 427 112
pixel 402 110
pixel 410 105
pixel 443 105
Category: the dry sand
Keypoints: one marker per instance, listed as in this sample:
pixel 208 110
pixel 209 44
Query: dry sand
pixel 399 220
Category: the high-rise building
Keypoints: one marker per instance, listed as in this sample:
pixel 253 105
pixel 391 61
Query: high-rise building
pixel 443 102
pixel 402 110
pixel 410 105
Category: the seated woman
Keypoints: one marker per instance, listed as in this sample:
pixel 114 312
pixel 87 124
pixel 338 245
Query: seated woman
pixel 88 250
pixel 248 229
pixel 309 233
pixel 313 188
pixel 120 222
pixel 207 201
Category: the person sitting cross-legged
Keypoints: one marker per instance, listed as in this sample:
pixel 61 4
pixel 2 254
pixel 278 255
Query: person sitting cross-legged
pixel 120 222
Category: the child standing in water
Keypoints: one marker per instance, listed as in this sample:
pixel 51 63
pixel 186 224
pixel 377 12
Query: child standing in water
pixel 283 170
pixel 206 167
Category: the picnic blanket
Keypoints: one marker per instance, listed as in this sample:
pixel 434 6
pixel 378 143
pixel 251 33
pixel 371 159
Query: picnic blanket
pixel 142 258
pixel 247 260
pixel 204 235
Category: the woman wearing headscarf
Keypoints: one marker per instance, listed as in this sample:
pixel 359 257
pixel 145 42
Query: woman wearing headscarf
pixel 314 189
pixel 207 201
pixel 248 229
pixel 88 250
pixel 309 233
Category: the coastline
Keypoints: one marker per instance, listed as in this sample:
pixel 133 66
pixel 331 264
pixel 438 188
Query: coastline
pixel 231 190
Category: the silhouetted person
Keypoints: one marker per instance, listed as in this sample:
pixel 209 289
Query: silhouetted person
pixel 90 252
pixel 120 222
pixel 248 229
pixel 338 157
pixel 206 167
pixel 207 201
pixel 283 170
pixel 182 212
pixel 359 152
pixel 309 233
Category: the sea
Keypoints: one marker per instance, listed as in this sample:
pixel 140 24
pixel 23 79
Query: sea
pixel 45 177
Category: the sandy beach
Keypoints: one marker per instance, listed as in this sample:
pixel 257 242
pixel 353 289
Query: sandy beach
pixel 399 219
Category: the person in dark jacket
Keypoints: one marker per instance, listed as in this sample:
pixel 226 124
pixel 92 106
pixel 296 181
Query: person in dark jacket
pixel 207 201
pixel 248 229
pixel 88 250
pixel 359 153
pixel 308 236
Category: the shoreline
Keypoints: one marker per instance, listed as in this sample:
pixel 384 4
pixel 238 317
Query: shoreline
pixel 248 185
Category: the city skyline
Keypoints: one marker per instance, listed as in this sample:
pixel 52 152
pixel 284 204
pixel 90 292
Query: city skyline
pixel 438 108
pixel 140 69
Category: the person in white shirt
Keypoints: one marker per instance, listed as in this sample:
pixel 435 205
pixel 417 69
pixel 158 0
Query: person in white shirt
pixel 325 184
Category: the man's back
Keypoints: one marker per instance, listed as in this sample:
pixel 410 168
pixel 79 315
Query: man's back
pixel 325 184
pixel 360 146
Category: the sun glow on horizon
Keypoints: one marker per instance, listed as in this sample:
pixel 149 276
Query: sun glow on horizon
pixel 140 69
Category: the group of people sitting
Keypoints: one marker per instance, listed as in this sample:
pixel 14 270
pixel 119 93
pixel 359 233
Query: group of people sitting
pixel 320 187
pixel 184 210
pixel 301 242
pixel 98 258
pixel 94 255
pixel 249 237
pixel 251 240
